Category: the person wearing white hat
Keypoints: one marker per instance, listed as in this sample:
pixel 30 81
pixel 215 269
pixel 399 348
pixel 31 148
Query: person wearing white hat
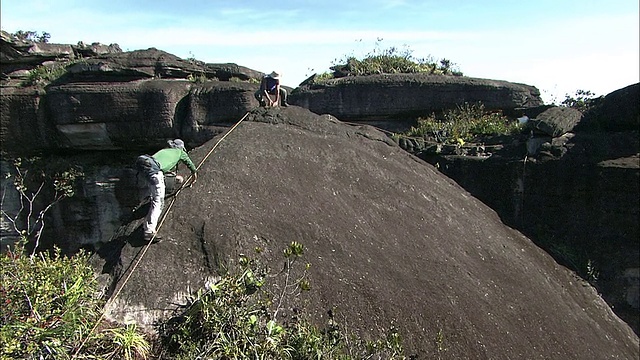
pixel 163 161
pixel 270 86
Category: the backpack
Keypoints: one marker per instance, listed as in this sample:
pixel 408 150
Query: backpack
pixel 271 85
pixel 147 165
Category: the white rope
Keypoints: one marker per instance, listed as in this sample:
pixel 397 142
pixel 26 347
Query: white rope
pixel 144 251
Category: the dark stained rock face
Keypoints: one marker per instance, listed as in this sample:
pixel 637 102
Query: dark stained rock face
pixel 23 124
pixel 555 121
pixel 119 115
pixel 390 241
pixel 154 63
pixel 107 99
pixel 403 95
pixel 618 111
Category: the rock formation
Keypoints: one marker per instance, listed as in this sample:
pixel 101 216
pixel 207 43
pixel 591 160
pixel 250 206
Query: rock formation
pixel 425 256
pixel 398 96
pixel 390 239
pixel 573 188
pixel 113 99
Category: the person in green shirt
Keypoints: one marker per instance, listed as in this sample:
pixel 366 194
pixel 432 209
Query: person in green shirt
pixel 166 160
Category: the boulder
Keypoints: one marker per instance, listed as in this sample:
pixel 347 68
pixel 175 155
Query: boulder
pixel 215 103
pixel 16 54
pixel 391 242
pixel 618 111
pixel 112 99
pixel 98 62
pixel 95 49
pixel 119 115
pixel 575 195
pixel 228 71
pixel 384 96
pixel 555 121
pixel 133 65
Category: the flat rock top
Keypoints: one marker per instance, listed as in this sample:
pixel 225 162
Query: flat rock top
pixel 390 240
pixel 406 78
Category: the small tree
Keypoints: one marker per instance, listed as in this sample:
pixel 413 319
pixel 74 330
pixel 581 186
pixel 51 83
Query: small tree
pixel 33 182
pixel 582 100
pixel 34 36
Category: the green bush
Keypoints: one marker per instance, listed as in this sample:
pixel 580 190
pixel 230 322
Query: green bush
pixel 582 100
pixel 43 74
pixel 50 304
pixel 392 60
pixel 47 303
pixel 468 122
pixel 236 319
pixel 198 78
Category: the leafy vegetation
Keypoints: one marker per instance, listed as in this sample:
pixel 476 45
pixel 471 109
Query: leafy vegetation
pixel 198 78
pixel 392 60
pixel 50 304
pixel 40 185
pixel 34 36
pixel 467 122
pixel 581 100
pixel 45 74
pixel 235 319
pixel 41 74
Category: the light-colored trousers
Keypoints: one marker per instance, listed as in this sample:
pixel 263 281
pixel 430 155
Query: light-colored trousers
pixel 156 190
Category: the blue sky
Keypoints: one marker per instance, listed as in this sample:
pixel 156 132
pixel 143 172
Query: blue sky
pixel 559 46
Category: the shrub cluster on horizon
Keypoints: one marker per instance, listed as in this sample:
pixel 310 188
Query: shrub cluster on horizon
pixel 392 60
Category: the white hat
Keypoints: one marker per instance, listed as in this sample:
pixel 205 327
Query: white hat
pixel 274 75
pixel 177 144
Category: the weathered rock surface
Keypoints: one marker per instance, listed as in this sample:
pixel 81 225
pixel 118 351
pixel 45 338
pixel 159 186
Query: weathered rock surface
pixel 117 100
pixel 98 62
pixel 576 195
pixel 405 95
pixel 17 55
pixel 618 111
pixel 119 115
pixel 425 256
pixel 154 63
pixel 556 121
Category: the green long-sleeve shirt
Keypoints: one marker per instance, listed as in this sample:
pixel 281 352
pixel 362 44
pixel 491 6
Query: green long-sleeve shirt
pixel 170 157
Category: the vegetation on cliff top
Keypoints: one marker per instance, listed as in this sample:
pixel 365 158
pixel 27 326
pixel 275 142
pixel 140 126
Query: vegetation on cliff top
pixel 391 60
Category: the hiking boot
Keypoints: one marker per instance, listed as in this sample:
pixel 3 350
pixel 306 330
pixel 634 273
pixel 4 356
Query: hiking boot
pixel 284 104
pixel 149 236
